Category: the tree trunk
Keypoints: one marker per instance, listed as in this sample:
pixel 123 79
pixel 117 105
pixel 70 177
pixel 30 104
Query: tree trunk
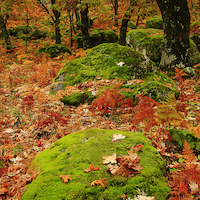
pixel 116 10
pixel 71 29
pixel 5 33
pixel 84 28
pixel 56 23
pixel 176 24
pixel 123 29
pixel 78 21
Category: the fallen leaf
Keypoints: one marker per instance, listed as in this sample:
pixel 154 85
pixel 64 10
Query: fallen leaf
pixel 113 168
pixel 123 197
pixel 117 137
pixel 65 178
pixel 138 147
pixel 91 168
pixel 3 191
pixel 110 159
pixel 99 182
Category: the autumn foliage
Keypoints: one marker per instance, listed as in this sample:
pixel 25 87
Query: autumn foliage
pixel 110 101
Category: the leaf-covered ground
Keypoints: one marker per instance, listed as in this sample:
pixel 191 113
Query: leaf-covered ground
pixel 31 119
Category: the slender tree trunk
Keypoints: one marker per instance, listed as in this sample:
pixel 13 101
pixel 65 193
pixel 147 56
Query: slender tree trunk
pixel 56 20
pixel 116 10
pixel 176 24
pixel 78 20
pixel 71 29
pixel 5 33
pixel 84 28
pixel 57 23
pixel 123 29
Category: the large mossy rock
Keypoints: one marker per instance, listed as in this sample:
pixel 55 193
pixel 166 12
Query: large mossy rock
pixel 20 30
pixel 57 49
pixel 154 22
pixel 150 41
pixel 73 153
pixel 28 32
pixel 98 37
pixel 156 85
pixel 180 135
pixel 109 61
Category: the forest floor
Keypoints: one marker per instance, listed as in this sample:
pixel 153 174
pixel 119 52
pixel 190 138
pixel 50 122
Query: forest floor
pixel 31 119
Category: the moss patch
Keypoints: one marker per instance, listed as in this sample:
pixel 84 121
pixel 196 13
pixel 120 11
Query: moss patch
pixel 154 22
pixel 152 40
pixel 180 135
pixel 75 152
pixel 56 49
pixel 109 61
pixel 156 85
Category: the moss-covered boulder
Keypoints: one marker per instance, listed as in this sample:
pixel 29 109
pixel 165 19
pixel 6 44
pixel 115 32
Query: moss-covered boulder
pixel 156 85
pixel 73 153
pixel 154 22
pixel 109 61
pixel 98 37
pixel 28 32
pixel 20 30
pixel 196 40
pixel 150 41
pixel 131 25
pixel 179 136
pixel 57 49
pixel 78 98
pixel 37 34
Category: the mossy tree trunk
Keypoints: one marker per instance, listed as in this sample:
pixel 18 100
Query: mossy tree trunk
pixel 78 21
pixel 71 28
pixel 85 27
pixel 57 23
pixel 5 32
pixel 56 19
pixel 123 29
pixel 176 23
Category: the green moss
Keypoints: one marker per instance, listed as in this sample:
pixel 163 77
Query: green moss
pixel 152 41
pixel 154 22
pixel 131 25
pixel 56 49
pixel 154 85
pixel 78 98
pixel 73 99
pixel 103 60
pixel 75 152
pixel 98 37
pixel 180 135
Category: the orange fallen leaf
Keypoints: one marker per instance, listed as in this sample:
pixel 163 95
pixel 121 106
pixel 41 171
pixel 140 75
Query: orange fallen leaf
pixel 138 147
pixel 65 178
pixel 99 182
pixel 3 191
pixel 91 168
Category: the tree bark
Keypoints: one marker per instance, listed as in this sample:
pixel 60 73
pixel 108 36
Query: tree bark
pixel 57 23
pixel 78 21
pixel 123 29
pixel 5 33
pixel 71 29
pixel 176 24
pixel 116 10
pixel 56 20
pixel 84 28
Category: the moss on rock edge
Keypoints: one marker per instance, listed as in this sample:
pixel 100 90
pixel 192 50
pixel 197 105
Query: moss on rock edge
pixel 75 152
